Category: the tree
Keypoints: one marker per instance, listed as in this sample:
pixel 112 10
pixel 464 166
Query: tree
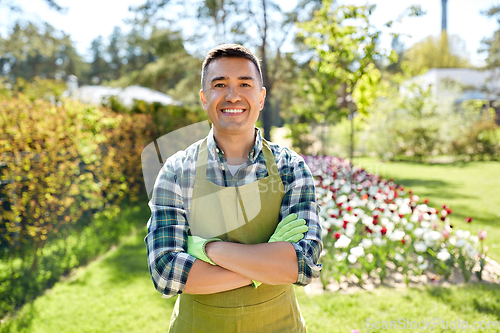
pixel 343 75
pixel 99 67
pixel 244 22
pixel 491 45
pixel 30 50
pixel 436 52
pixel 114 50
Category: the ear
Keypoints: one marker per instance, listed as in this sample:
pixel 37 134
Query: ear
pixel 203 99
pixel 262 98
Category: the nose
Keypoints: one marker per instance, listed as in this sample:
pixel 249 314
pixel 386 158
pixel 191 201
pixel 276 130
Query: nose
pixel 233 95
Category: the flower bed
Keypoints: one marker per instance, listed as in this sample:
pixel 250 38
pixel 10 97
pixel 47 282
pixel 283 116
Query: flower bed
pixel 369 222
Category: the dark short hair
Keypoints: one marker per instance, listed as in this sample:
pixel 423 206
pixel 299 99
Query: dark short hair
pixel 229 51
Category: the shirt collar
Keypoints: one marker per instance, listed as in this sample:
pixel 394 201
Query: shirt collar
pixel 215 150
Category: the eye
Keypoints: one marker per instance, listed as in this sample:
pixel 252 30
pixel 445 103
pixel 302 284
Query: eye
pixel 245 85
pixel 219 85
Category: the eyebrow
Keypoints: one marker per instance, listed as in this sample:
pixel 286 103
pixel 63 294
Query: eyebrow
pixel 241 78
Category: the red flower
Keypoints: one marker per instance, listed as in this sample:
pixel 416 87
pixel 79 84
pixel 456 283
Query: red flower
pixel 329 230
pixel 337 235
pixel 401 216
pixel 364 197
pixel 349 209
pixel 410 191
pixel 468 219
pixel 403 241
pixel 333 216
pixel 381 209
pixel 368 230
pixel 443 218
pixel 375 221
pixel 448 210
pixel 426 201
pixel 384 230
pixel 345 224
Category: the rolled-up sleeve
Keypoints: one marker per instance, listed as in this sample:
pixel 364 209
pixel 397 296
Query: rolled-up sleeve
pixel 166 241
pixel 300 198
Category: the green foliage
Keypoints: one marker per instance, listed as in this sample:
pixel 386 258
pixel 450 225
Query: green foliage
pixel 436 52
pixel 411 123
pixel 342 70
pixel 30 51
pixel 62 166
pixel 167 118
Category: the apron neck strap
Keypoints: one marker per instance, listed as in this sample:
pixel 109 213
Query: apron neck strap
pixel 202 161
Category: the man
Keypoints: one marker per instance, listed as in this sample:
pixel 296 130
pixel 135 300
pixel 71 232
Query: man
pixel 221 201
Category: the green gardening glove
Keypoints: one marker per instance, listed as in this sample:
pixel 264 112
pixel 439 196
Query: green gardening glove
pixel 290 229
pixel 196 248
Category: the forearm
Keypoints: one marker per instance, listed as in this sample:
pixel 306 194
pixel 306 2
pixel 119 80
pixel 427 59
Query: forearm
pixel 204 278
pixel 271 263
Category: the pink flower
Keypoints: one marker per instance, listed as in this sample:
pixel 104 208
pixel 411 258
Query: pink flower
pixel 468 219
pixel 446 234
pixel 482 235
pixel 415 198
pixel 354 331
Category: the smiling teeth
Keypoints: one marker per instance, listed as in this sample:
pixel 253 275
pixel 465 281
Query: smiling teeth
pixel 232 111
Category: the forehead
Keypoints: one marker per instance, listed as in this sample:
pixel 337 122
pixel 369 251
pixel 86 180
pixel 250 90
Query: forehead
pixel 232 67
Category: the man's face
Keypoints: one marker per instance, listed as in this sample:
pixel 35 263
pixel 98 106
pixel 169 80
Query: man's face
pixel 233 96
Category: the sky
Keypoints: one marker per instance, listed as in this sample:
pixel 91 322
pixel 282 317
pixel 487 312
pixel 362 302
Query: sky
pixel 86 20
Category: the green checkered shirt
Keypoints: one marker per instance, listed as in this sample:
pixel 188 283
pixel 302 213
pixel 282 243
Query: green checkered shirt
pixel 168 227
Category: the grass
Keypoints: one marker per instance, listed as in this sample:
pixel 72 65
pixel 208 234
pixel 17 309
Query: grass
pixel 115 294
pixel 468 188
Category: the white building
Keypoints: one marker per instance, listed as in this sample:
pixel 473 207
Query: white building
pixel 96 94
pixel 475 84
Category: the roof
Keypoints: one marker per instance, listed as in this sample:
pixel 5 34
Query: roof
pixel 96 94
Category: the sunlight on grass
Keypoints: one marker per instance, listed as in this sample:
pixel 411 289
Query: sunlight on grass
pixel 115 294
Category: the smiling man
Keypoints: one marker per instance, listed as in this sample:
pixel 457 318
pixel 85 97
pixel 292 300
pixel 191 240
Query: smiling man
pixel 234 220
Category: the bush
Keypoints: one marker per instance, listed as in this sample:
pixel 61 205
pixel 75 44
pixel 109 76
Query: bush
pixel 62 166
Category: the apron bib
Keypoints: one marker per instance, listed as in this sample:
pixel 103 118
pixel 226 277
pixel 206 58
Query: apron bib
pixel 248 215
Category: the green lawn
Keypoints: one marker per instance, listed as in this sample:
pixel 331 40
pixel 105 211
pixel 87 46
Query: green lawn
pixel 470 189
pixel 115 294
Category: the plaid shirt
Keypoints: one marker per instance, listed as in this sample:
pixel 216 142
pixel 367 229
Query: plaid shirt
pixel 168 227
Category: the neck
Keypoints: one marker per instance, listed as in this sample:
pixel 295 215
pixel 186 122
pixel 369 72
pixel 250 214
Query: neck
pixel 236 147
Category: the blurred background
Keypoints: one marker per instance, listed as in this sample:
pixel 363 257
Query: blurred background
pixel 407 89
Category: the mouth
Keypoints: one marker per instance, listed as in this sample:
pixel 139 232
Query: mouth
pixel 233 110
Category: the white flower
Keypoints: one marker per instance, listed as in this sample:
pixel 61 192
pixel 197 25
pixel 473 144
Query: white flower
pixel 414 218
pixel 409 226
pixel 431 237
pixel 423 266
pixel 341 256
pixel 367 221
pixel 373 190
pixel 397 235
pixel 396 219
pixel 419 232
pixel 425 224
pixel 399 257
pixel 378 241
pixel 443 255
pixel 352 258
pixel 420 259
pixel 384 221
pixel 371 205
pixel 346 188
pixel 358 251
pixel 461 242
pixel 404 209
pixel 342 242
pixel 423 208
pixel 366 243
pixel 350 230
pixel 341 199
pixel 420 247
pixel 471 251
pixel 433 217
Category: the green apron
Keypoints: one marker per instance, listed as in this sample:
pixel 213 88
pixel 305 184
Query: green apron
pixel 249 215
